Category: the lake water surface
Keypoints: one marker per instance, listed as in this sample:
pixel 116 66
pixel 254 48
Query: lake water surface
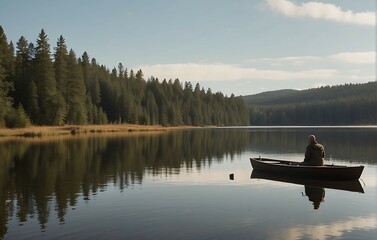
pixel 176 185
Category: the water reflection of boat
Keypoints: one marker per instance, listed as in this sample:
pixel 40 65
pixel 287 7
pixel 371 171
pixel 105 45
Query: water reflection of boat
pixel 352 185
pixel 289 168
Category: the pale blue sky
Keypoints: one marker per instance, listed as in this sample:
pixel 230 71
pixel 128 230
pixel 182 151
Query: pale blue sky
pixel 233 46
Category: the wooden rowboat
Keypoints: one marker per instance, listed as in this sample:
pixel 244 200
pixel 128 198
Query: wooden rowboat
pixel 294 169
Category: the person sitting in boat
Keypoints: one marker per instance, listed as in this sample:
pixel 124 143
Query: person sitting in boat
pixel 314 154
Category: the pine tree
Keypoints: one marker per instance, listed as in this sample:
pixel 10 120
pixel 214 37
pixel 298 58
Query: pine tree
pixel 6 58
pixel 22 72
pixel 31 98
pixel 152 109
pixel 5 101
pixel 5 84
pixel 45 81
pixel 61 76
pixel 31 103
pixel 96 92
pixel 120 71
pixel 89 109
pixel 85 66
pixel 60 66
pixel 76 109
pixel 10 67
pixel 90 73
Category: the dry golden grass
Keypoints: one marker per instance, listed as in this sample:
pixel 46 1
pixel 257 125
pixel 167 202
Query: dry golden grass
pixel 69 130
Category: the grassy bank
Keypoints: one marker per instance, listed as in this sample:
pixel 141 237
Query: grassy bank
pixel 44 131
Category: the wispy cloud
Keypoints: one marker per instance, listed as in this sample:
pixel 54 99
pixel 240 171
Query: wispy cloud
pixel 283 61
pixel 229 72
pixel 355 57
pixel 318 10
pixel 368 57
pixel 344 65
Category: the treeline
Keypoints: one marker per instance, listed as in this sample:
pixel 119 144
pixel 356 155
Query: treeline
pixel 350 104
pixel 43 89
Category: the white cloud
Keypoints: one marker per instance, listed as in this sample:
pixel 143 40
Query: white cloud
pixel 321 68
pixel 229 72
pixel 318 10
pixel 348 57
pixel 355 57
pixel 360 78
pixel 284 61
pixel 300 60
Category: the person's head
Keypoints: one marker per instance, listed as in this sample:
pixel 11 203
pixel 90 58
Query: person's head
pixel 312 139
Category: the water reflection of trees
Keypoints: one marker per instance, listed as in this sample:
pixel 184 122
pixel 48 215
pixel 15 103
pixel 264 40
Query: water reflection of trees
pixel 37 176
pixel 356 145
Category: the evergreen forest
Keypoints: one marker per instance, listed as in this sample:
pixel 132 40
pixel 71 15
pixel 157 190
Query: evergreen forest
pixel 40 85
pixel 348 104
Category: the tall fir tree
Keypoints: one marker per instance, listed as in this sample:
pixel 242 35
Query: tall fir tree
pixel 5 101
pixel 76 100
pixel 60 66
pixel 25 87
pixel 5 84
pixel 61 76
pixel 85 66
pixel 6 57
pixel 31 104
pixel 22 72
pixel 93 85
pixel 46 84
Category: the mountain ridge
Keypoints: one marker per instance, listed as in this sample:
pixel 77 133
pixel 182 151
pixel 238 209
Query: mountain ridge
pixel 324 93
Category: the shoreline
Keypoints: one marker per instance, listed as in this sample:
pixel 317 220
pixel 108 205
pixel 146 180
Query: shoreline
pixel 72 130
pixel 47 131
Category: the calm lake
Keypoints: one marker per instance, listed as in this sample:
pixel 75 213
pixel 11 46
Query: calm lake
pixel 176 185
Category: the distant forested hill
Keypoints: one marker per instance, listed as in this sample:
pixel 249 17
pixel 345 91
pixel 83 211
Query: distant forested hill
pixel 268 97
pixel 43 88
pixel 349 104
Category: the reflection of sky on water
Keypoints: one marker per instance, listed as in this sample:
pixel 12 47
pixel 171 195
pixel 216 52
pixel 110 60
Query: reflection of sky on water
pixel 326 231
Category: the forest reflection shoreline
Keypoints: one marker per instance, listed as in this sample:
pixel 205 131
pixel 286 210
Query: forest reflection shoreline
pixel 45 175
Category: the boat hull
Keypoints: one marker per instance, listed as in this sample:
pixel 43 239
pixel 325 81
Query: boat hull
pixel 293 169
